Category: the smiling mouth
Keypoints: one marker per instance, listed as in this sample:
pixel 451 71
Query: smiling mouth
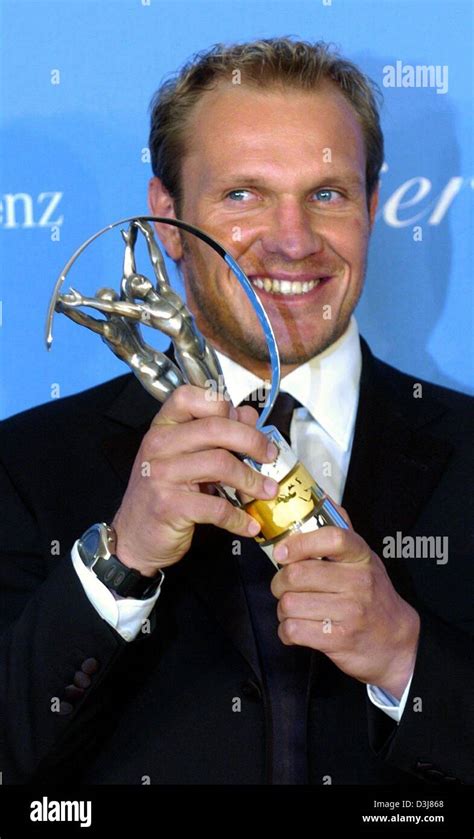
pixel 285 287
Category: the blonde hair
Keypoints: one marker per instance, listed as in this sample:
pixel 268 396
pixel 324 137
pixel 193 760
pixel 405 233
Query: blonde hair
pixel 273 62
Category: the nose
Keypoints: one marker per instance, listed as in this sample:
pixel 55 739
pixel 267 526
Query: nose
pixel 291 232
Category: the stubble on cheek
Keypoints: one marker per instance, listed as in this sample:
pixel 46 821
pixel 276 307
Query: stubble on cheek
pixel 218 309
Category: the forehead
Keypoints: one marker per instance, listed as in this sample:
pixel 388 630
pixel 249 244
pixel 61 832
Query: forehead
pixel 278 127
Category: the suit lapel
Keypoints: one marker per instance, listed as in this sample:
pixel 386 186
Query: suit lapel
pixel 395 462
pixel 128 417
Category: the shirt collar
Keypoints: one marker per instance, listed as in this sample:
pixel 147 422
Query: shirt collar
pixel 327 385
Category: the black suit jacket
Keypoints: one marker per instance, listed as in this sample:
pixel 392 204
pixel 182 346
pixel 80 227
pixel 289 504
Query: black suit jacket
pixel 163 706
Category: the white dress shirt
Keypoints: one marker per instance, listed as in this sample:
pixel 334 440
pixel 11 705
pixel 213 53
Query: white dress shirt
pixel 322 432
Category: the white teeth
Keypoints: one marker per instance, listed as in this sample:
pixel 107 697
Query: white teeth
pixel 284 286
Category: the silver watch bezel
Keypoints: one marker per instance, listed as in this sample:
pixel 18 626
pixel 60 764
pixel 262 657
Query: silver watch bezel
pixel 106 543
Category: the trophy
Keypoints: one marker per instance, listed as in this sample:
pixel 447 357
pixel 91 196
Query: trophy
pixel 301 504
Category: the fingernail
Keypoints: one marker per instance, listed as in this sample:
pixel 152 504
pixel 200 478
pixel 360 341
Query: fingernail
pixel 270 486
pixel 253 527
pixel 272 451
pixel 280 553
pixel 233 413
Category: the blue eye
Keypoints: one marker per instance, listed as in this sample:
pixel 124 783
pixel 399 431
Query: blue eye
pixel 237 194
pixel 325 195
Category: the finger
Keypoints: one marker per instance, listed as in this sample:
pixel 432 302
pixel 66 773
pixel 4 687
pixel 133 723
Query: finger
pixel 311 575
pixel 200 434
pixel 312 634
pixel 312 606
pixel 247 415
pixel 208 509
pixel 333 543
pixel 189 402
pixel 216 465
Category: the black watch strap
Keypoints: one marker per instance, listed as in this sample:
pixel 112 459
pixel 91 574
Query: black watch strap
pixel 125 581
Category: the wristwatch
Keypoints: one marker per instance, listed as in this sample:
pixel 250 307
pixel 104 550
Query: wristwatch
pixel 97 550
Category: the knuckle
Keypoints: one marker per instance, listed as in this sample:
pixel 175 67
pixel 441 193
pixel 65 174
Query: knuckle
pixel 248 415
pixel 293 574
pixel 157 440
pixel 180 396
pixel 221 461
pixel 275 585
pixel 251 479
pixel 184 396
pixel 287 602
pixel 290 629
pixel 218 406
pixel 153 441
pixel 222 510
pixel 243 521
pixel 299 544
pixel 212 427
pixel 338 539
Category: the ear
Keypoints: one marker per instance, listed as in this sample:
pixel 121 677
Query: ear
pixel 161 203
pixel 373 204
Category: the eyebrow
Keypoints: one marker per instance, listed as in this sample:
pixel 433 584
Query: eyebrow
pixel 341 178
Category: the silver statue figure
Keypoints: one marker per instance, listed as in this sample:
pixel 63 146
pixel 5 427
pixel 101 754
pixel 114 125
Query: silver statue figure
pixel 158 306
pixel 155 371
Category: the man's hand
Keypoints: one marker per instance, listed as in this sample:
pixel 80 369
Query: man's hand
pixel 189 447
pixel 345 607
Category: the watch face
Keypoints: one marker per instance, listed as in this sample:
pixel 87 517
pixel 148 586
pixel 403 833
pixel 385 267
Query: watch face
pixel 90 542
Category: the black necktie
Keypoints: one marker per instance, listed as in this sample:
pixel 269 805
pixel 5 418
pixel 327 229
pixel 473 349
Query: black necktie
pixel 281 413
pixel 285 669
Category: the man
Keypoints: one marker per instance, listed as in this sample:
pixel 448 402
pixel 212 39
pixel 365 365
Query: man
pixel 352 670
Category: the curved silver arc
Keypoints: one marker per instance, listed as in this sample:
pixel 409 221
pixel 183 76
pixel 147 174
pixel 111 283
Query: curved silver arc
pixel 231 262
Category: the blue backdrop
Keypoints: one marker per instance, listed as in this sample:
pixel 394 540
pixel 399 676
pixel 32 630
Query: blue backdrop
pixel 77 77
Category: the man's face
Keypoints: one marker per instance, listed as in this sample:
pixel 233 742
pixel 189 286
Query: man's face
pixel 278 178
